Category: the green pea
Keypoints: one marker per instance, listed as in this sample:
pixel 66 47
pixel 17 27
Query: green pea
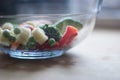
pixel 12 39
pixel 17 31
pixel 52 41
pixel 6 34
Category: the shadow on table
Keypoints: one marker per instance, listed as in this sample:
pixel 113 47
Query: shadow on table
pixel 12 64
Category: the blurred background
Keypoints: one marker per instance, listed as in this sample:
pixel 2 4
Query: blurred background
pixel 108 17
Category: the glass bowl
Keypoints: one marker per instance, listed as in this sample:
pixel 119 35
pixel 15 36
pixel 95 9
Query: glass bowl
pixel 42 36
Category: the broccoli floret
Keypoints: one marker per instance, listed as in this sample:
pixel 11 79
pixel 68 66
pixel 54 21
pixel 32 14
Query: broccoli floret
pixel 51 32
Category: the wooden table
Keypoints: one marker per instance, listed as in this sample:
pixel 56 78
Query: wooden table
pixel 96 58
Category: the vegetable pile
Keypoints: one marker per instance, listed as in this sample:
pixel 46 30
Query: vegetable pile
pixel 42 36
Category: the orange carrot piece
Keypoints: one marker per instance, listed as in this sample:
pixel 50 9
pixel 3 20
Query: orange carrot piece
pixel 14 45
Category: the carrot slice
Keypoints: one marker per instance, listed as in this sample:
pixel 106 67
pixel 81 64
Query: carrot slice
pixel 15 45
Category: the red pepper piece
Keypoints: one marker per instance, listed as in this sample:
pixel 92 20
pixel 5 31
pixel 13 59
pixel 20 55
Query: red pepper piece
pixel 70 34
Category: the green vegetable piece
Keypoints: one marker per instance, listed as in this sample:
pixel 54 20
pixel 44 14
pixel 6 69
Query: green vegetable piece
pixel 51 32
pixel 12 39
pixel 61 25
pixel 6 34
pixel 17 31
pixel 52 41
pixel 31 44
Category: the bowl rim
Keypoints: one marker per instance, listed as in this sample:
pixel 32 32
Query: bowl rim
pixel 43 15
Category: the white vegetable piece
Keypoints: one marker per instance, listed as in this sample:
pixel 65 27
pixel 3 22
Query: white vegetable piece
pixel 8 26
pixel 4 41
pixel 23 37
pixel 39 36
